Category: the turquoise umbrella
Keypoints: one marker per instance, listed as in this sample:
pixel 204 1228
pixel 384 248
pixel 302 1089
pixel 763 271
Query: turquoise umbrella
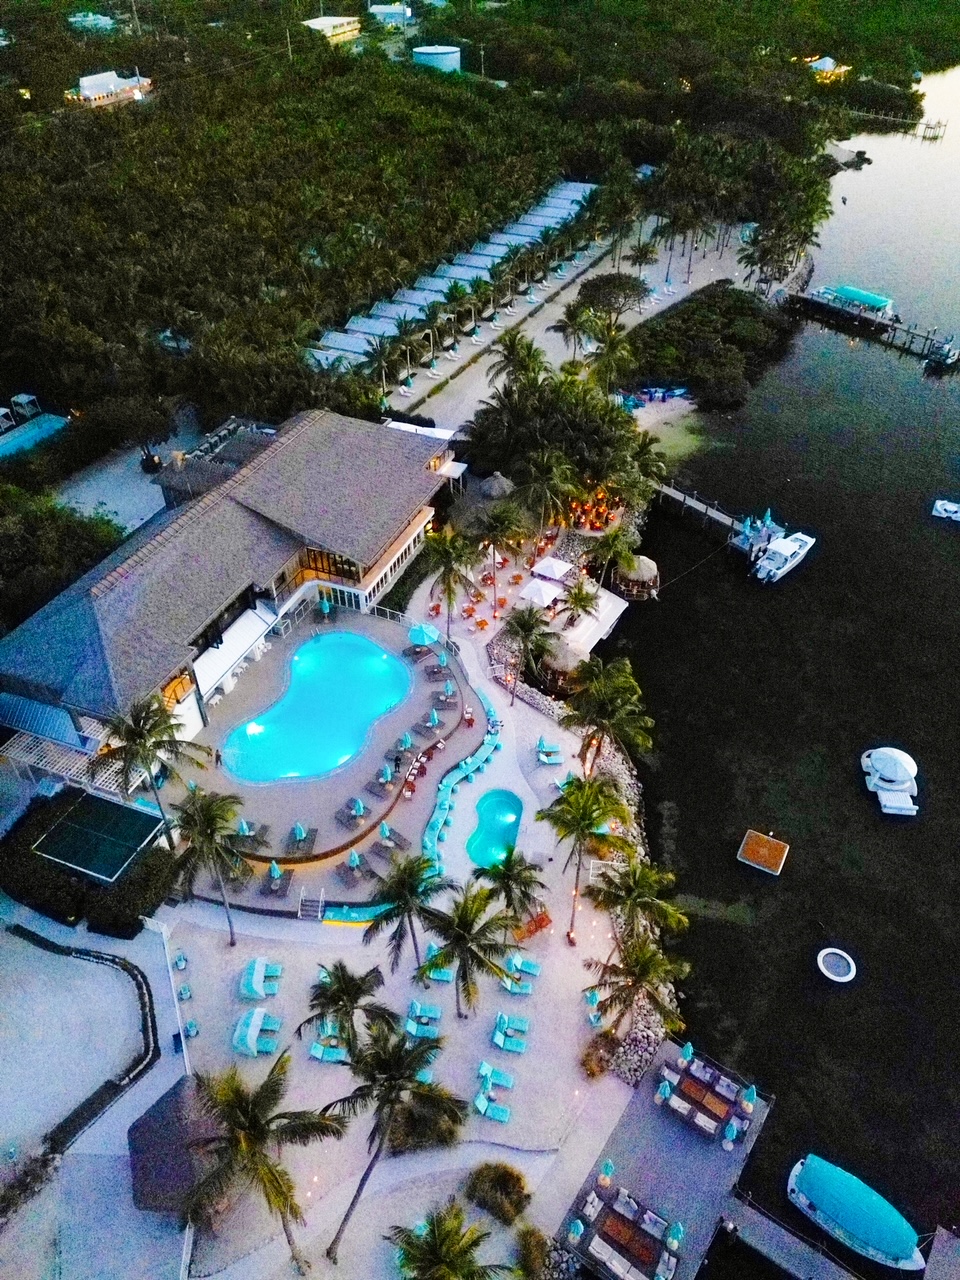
pixel 359 809
pixel 324 605
pixel 423 634
pixel 385 830
pixel 448 689
pixel 442 658
pixel 767 518
pixel 750 1095
pixel 406 742
pixel 747 527
pixel 386 774
pixel 275 872
pixel 730 1132
pixel 434 718
pixel 686 1053
pixel 674 1237
pixel 354 859
pixel 243 827
pixel 298 832
pixel 663 1090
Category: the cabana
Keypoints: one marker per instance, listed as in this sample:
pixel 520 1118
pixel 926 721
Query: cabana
pixel 552 567
pixel 541 593
pixel 353 342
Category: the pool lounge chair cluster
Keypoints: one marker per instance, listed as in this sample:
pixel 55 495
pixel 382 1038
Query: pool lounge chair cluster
pixel 485 1101
pixel 248 1037
pixel 509 1034
pixel 549 753
pixel 300 846
pixel 260 979
pixel 421 1021
pixel 516 966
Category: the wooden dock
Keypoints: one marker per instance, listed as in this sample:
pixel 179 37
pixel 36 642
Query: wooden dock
pixel 925 130
pixel 781 1245
pixel 909 339
pixel 709 512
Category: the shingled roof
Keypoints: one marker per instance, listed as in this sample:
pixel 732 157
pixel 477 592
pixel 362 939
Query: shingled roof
pixel 327 481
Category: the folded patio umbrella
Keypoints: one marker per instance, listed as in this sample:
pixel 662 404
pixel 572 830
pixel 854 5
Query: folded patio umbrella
pixel 442 658
pixel 386 774
pixel 243 827
pixel 324 604
pixel 448 688
pixel 422 633
pixel 298 832
pixel 354 859
pixel 275 872
pixel 358 808
pixel 406 741
pixel 385 830
pixel 434 718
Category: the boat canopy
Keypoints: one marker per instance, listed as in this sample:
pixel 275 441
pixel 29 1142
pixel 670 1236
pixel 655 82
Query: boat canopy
pixel 860 297
pixel 856 1208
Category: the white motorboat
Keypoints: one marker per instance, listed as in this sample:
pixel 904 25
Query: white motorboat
pixel 892 776
pixel 782 555
pixel 946 510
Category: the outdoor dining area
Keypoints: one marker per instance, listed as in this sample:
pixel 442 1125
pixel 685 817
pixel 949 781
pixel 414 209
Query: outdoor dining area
pixel 711 1100
pixel 631 1241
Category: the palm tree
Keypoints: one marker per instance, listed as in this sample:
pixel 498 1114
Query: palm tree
pixel 643 254
pixel 606 705
pixel 579 601
pixel 410 340
pixel 470 939
pixel 631 888
pixel 381 360
pixel 546 483
pixel 444 1247
pixel 614 356
pixel 341 996
pixel 532 641
pixel 614 547
pixel 515 881
pixel 574 325
pixel 136 741
pixel 582 814
pixel 457 298
pixel 404 893
pixel 640 972
pixel 518 360
pixel 435 313
pixel 252 1135
pixel 450 555
pixel 208 824
pixel 388 1069
pixel 503 528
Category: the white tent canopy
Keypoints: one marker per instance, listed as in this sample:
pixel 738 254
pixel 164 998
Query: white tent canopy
pixel 551 567
pixel 541 593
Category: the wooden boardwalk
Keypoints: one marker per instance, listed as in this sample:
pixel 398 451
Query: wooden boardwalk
pixel 925 130
pixel 780 1245
pixel 709 511
pixel 910 339
pixel 944 1263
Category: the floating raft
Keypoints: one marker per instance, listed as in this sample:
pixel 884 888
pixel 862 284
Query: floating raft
pixel 763 852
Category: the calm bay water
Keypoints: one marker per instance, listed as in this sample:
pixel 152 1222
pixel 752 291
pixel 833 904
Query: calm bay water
pixel 765 698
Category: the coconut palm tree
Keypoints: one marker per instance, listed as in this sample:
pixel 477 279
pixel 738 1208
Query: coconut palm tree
pixel 546 484
pixel 251 1136
pixel 483 297
pixel 580 600
pixel 381 360
pixel 450 555
pixel 515 881
pixel 614 356
pixel 606 705
pixel 208 825
pixel 640 972
pixel 388 1071
pixel 136 743
pixel 470 939
pixel 631 888
pixel 643 254
pixel 404 894
pixel 410 340
pixel 615 547
pixel 574 325
pixel 504 528
pixel 582 814
pixel 518 359
pixel 531 640
pixel 342 996
pixel 444 1247
pixel 457 298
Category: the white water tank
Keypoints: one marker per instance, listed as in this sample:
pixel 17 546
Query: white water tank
pixel 442 57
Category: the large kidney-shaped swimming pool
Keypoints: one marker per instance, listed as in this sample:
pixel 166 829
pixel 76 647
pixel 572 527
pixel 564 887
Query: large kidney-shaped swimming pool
pixel 340 685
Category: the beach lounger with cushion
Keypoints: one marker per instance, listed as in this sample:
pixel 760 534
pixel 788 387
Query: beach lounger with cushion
pixel 266 1044
pixel 347 818
pixel 382 850
pixel 270 1023
pixel 401 842
pixel 328 1053
pixel 523 964
pixel 421 1030
pixel 507 1023
pixel 510 1044
pixel 278 887
pixel 595 1018
pixel 416 652
pixel 546 758
pixel 271 988
pixel 190 1029
pixel 517 988
pixel 428 731
pixel 491 1110
pixel 492 1074
pixel 295 848
pixel 418 1010
pixel 377 787
pixel 185 993
pixel 273 970
pixel 437 975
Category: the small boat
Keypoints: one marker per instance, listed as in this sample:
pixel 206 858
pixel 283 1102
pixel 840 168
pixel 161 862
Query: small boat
pixel 854 1214
pixel 942 355
pixel 782 555
pixel 946 510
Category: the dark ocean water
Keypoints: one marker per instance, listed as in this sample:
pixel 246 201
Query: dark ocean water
pixel 765 698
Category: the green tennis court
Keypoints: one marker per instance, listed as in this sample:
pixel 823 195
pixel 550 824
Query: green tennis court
pixel 99 837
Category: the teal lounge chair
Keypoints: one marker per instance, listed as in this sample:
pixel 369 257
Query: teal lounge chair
pixel 418 1010
pixel 180 960
pixel 273 971
pixel 190 1029
pixel 509 984
pixel 491 1110
pixel 505 1022
pixel 549 748
pixel 493 1076
pixel 594 1018
pixel 184 993
pixel 328 1027
pixel 328 1053
pixel 420 1030
pixel 266 1044
pixel 271 988
pixel 510 1044
pixel 546 757
pixel 437 975
pixel 523 964
pixel 271 1023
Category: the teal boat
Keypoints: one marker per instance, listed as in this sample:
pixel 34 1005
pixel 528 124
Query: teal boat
pixel 858 302
pixel 854 1214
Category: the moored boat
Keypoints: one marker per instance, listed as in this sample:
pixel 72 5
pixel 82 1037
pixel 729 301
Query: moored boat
pixel 854 1214
pixel 782 555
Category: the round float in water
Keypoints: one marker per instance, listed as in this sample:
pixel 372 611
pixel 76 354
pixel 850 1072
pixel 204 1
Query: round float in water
pixel 836 965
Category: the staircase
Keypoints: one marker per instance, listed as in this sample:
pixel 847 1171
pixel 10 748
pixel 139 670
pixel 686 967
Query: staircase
pixel 311 908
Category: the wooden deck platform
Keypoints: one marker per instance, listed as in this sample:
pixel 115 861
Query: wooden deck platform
pixel 780 1245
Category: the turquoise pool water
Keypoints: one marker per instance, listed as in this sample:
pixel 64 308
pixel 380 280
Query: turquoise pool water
pixel 31 433
pixel 498 821
pixel 340 685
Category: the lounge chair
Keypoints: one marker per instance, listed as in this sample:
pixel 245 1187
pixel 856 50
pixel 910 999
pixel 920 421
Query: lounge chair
pixel 507 1023
pixel 517 988
pixel 328 1053
pixel 271 988
pixel 421 1030
pixel 254 840
pixel 436 675
pixel 266 1044
pixel 347 818
pixel 501 1078
pixel 549 758
pixel 549 748
pixel 295 848
pixel 382 850
pixel 184 993
pixel 377 787
pixel 437 975
pixel 595 1018
pixel 273 970
pixel 418 1010
pixel 346 874
pixel 416 652
pixel 276 886
pixel 399 841
pixel 270 1023
pixel 491 1110
pixel 428 731
pixel 510 1044
pixel 180 960
pixel 523 964
pixel 190 1029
